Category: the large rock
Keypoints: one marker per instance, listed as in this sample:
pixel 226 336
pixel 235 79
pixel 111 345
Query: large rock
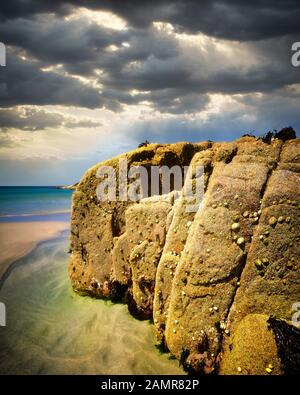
pixel 270 280
pixel 215 252
pixel 95 224
pixel 211 278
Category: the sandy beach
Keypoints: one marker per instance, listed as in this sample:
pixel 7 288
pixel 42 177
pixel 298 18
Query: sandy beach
pixel 17 239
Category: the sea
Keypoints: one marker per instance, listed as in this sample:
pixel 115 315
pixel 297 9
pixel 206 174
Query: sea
pixel 49 328
pixel 34 204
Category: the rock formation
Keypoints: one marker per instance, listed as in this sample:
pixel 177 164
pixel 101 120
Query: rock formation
pixel 209 279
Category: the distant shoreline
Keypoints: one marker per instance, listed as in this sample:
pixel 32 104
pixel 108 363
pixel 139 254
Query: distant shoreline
pixel 69 187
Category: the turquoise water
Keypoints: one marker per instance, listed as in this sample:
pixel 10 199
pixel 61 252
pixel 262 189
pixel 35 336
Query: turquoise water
pixel 34 204
pixel 51 330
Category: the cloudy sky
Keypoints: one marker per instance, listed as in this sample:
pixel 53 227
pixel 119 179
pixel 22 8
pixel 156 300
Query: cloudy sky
pixel 86 80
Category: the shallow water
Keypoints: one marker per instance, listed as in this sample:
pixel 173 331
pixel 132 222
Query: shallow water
pixel 51 330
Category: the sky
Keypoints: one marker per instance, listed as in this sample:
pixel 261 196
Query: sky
pixel 87 80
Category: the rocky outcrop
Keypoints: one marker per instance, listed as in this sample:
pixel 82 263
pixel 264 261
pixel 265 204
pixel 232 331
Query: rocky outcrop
pixel 178 230
pixel 96 226
pixel 210 279
pixel 269 283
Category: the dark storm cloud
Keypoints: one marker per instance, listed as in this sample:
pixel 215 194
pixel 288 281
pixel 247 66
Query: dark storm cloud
pixel 81 48
pixel 54 40
pixel 33 119
pixel 231 19
pixel 171 79
pixel 82 45
pixel 161 68
pixel 177 102
pixel 27 8
pixel 23 82
pixel 29 119
pixel 178 77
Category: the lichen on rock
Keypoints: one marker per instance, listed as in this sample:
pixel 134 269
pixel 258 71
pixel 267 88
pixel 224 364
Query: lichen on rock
pixel 206 278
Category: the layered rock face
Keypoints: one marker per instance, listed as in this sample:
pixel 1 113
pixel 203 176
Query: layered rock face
pixel 209 278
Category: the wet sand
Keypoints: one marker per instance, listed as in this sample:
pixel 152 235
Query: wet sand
pixel 52 330
pixel 17 239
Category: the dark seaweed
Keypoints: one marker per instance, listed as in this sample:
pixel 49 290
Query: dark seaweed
pixel 287 339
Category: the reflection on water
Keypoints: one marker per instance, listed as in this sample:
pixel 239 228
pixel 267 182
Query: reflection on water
pixel 52 330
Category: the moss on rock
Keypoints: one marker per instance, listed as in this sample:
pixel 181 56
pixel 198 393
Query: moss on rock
pixel 210 279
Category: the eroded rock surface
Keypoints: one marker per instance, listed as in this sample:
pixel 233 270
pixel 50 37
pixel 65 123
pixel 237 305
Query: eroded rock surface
pixel 253 349
pixel 207 278
pixel 181 221
pixel 95 225
pixel 146 230
pixel 270 282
